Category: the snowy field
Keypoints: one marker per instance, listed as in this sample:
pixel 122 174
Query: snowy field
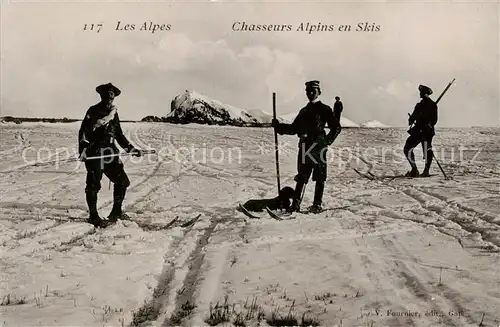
pixel 401 252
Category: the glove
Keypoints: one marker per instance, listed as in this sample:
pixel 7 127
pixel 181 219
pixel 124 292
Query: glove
pixel 82 150
pixel 136 152
pixel 274 122
pixel 83 155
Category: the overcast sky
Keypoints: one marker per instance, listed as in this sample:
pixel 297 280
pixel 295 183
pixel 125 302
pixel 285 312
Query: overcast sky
pixel 50 66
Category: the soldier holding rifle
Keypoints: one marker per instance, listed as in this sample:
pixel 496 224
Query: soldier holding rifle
pixel 425 117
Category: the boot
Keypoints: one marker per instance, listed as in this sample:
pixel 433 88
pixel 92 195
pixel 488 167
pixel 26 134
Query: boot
pixel 413 172
pixel 315 208
pixel 94 218
pixel 297 197
pixel 116 212
pixel 410 156
pixel 318 197
pixel 428 162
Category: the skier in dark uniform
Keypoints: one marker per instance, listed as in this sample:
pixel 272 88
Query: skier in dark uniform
pixel 99 129
pixel 425 117
pixel 313 144
pixel 338 107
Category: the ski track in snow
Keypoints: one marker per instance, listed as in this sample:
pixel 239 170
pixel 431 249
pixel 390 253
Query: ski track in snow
pixel 425 245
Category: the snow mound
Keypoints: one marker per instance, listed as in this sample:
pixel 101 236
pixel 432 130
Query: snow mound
pixel 344 122
pixel 373 124
pixel 193 107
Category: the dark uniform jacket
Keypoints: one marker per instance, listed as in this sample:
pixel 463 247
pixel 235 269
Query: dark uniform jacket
pixel 99 129
pixel 425 117
pixel 310 124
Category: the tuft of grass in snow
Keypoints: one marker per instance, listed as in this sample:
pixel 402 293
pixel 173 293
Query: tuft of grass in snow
pixel 148 312
pixel 311 320
pixel 7 300
pixel 276 319
pixel 308 318
pixel 225 312
pixel 253 311
pixel 185 311
pixel 220 313
pixel 323 297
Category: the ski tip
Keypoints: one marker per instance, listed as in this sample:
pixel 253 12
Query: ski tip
pixel 247 213
pixel 192 221
pixel 272 214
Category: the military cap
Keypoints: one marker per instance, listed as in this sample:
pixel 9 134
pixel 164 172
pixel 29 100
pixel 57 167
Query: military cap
pixel 425 89
pixel 106 87
pixel 312 85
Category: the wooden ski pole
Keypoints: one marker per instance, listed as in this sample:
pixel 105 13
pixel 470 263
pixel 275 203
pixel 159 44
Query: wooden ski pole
pixel 276 146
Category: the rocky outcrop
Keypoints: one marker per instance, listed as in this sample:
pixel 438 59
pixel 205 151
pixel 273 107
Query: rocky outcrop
pixel 193 107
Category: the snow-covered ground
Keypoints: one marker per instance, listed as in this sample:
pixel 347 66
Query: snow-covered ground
pixel 401 252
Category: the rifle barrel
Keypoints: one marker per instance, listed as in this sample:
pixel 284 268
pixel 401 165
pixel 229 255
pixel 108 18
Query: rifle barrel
pixel 446 89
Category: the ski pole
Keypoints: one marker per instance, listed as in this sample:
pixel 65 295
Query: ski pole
pixel 276 146
pixel 119 154
pixel 439 165
pixel 302 195
pixel 91 158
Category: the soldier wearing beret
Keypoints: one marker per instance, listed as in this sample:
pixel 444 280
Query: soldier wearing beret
pixel 425 117
pixel 309 126
pixel 98 131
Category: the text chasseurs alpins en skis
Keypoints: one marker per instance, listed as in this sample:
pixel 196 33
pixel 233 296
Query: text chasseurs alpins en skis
pixel 242 26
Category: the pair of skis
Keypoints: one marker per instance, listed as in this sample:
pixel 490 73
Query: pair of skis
pixel 372 176
pixel 283 216
pixel 269 212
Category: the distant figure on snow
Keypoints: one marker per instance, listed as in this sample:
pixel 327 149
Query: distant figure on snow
pixel 313 144
pixel 283 201
pixel 99 129
pixel 338 108
pixel 425 117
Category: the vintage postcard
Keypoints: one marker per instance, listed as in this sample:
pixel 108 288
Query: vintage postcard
pixel 249 163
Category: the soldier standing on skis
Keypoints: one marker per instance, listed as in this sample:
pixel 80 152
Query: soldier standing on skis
pixel 425 117
pixel 99 129
pixel 309 127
